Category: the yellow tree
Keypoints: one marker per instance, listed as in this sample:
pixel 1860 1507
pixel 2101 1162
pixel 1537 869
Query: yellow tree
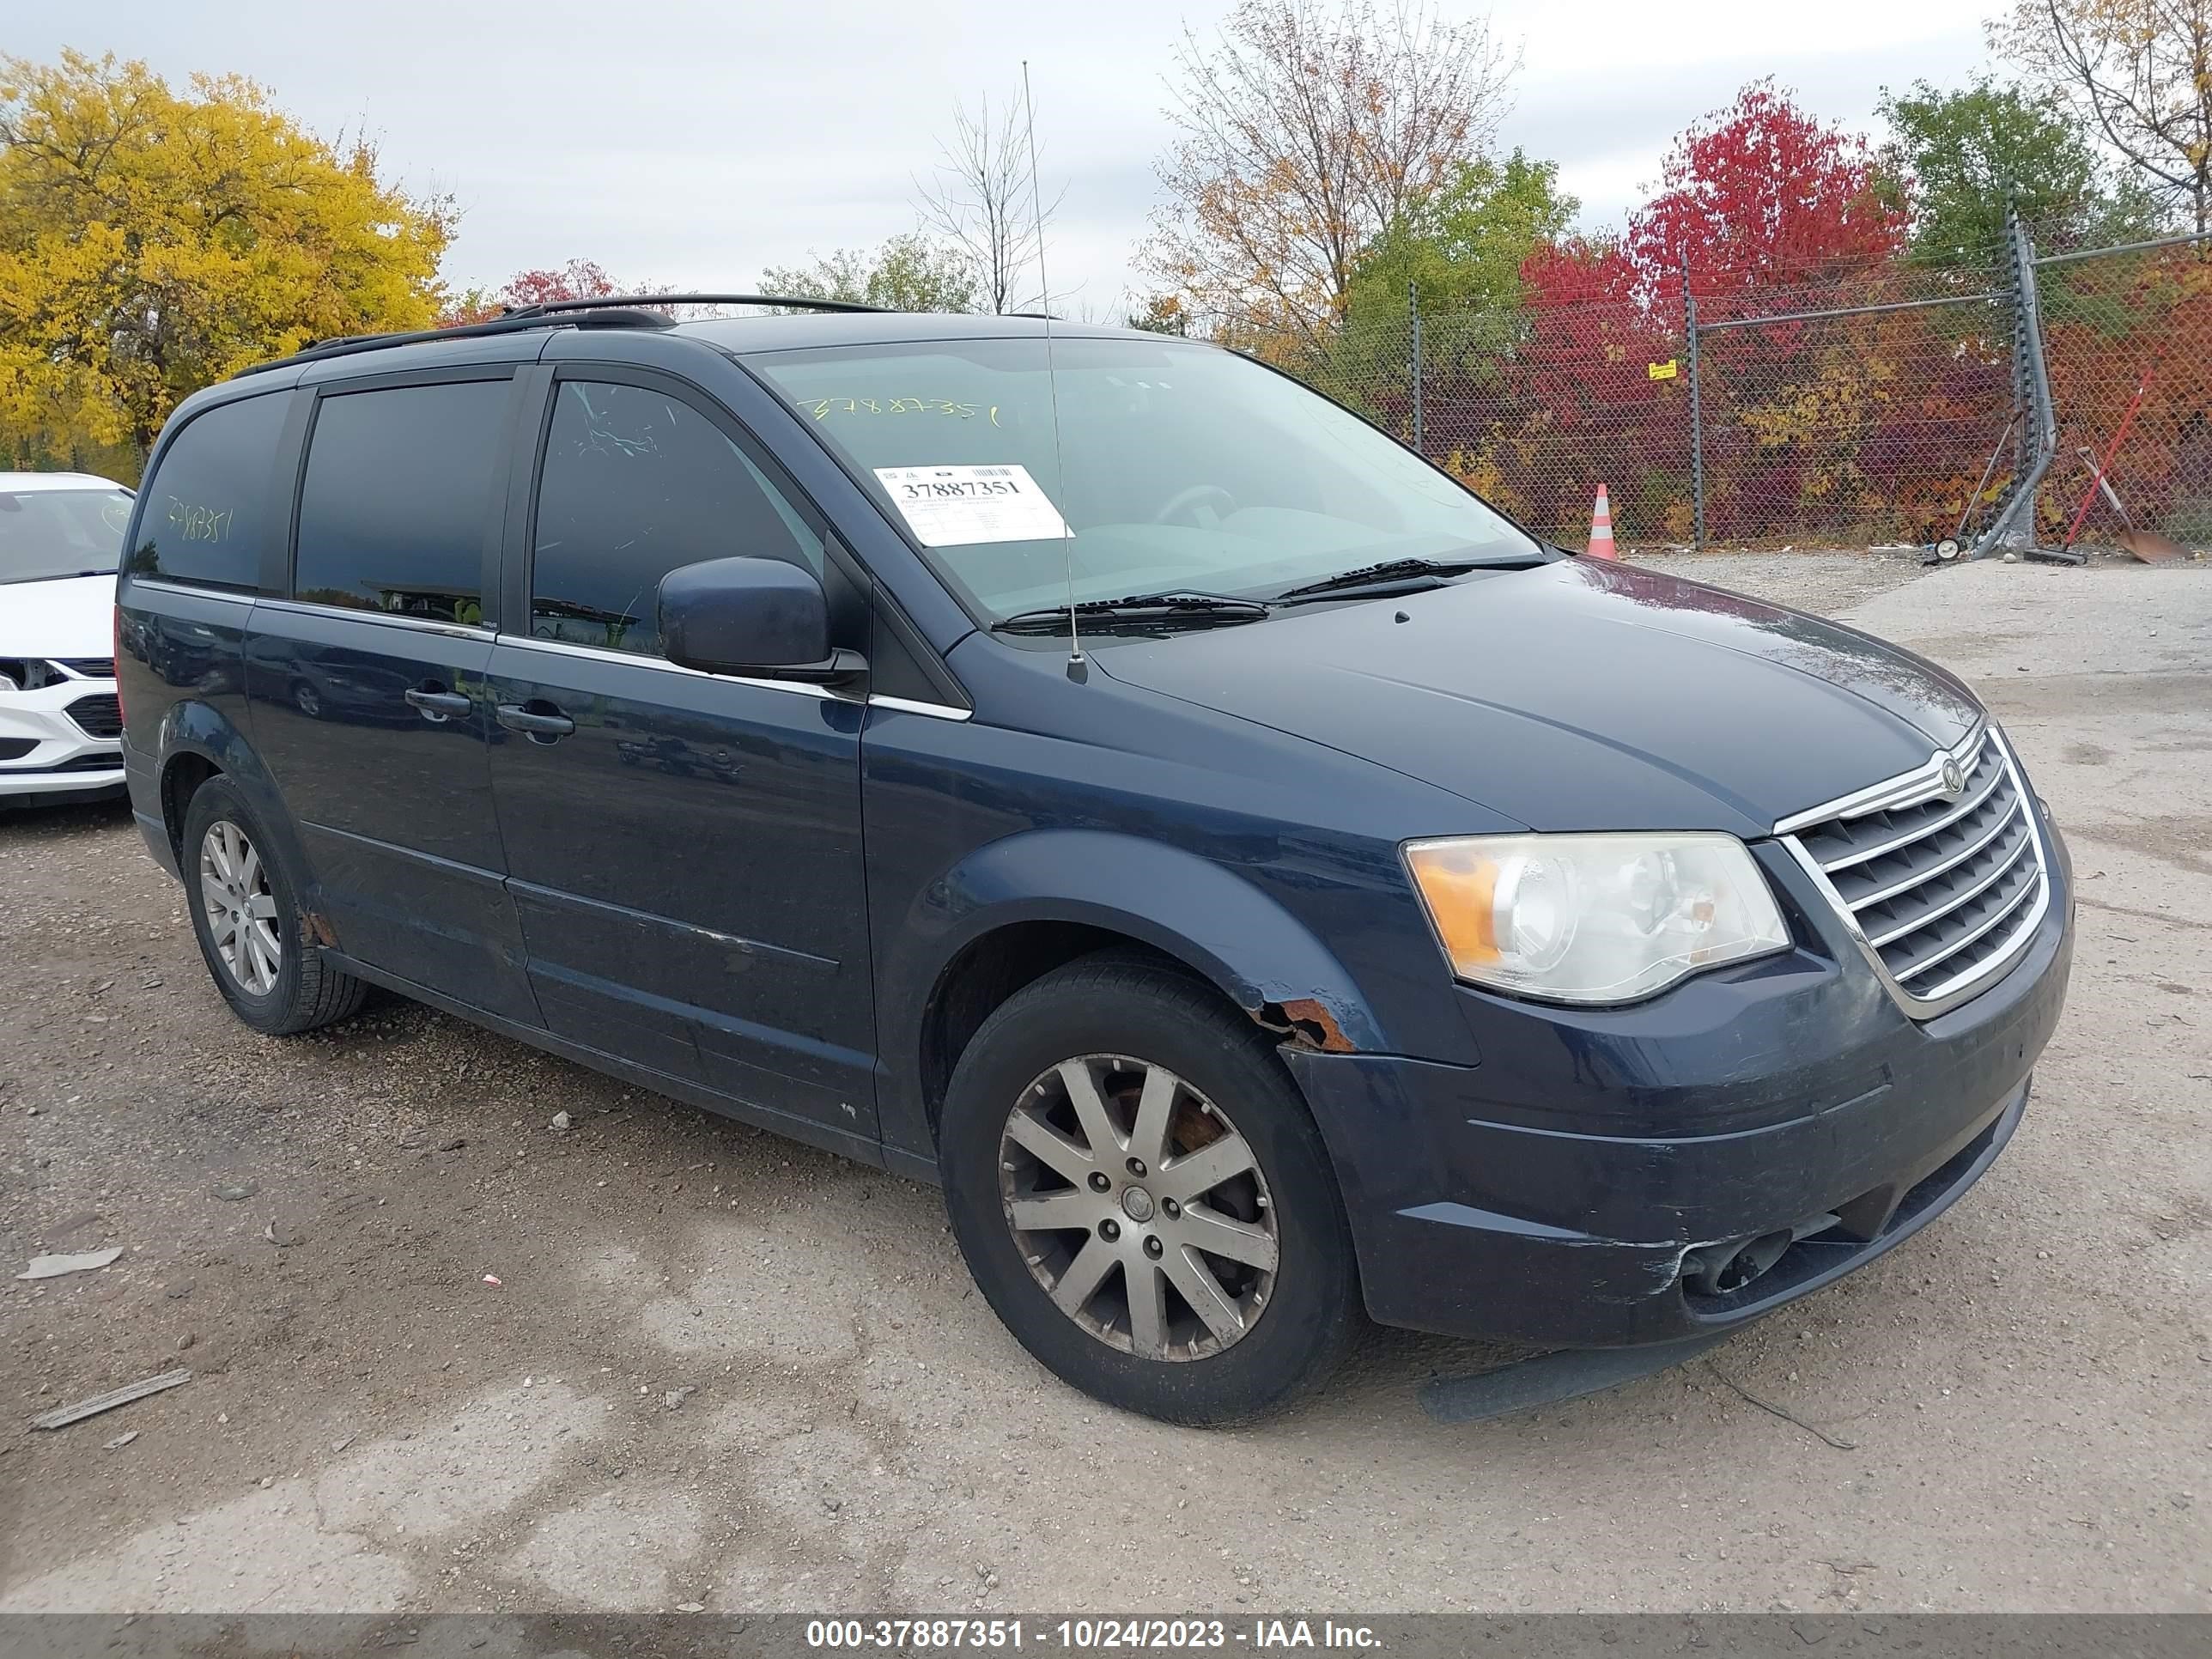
pixel 1305 130
pixel 152 241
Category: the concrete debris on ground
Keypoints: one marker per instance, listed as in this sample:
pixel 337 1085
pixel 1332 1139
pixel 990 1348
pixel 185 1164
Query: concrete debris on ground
pixel 53 1266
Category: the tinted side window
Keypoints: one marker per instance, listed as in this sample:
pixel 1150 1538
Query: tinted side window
pixel 395 508
pixel 637 483
pixel 208 505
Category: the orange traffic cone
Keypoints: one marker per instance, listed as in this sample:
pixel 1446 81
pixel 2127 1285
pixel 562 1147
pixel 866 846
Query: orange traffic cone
pixel 1601 542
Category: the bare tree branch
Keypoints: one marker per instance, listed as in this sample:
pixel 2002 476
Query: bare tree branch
pixel 2140 71
pixel 1305 127
pixel 982 201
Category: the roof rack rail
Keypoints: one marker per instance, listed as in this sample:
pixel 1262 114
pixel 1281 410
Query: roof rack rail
pixel 796 302
pixel 346 345
pixel 610 311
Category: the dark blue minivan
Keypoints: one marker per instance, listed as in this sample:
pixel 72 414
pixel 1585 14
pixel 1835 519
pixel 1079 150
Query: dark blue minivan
pixel 1264 885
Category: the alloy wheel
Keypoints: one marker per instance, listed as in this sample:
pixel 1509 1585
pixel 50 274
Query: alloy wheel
pixel 1139 1207
pixel 241 910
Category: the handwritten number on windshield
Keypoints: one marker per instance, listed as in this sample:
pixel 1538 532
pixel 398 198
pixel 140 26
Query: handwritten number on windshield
pixel 822 407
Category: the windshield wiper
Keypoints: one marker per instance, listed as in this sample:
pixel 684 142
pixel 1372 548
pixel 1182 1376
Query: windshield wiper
pixel 1393 575
pixel 1148 610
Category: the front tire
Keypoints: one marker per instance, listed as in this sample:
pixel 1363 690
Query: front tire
pixel 244 903
pixel 1144 1200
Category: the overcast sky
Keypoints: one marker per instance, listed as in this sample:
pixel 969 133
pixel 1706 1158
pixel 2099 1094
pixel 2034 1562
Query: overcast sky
pixel 694 144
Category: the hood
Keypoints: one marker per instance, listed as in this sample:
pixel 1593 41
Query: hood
pixel 69 616
pixel 1581 695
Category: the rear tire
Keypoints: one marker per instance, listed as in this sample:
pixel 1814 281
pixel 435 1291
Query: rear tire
pixel 1189 1164
pixel 244 902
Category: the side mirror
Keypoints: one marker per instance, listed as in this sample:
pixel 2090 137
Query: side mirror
pixel 766 618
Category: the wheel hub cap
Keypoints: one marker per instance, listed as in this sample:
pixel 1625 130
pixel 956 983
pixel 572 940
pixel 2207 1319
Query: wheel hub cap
pixel 1176 1265
pixel 240 910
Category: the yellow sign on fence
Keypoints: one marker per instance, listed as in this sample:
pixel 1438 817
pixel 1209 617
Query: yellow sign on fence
pixel 1665 370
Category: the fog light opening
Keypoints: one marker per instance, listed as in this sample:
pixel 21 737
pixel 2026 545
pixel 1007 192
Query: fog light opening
pixel 1724 1268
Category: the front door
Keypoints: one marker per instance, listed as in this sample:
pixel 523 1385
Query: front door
pixel 367 686
pixel 684 849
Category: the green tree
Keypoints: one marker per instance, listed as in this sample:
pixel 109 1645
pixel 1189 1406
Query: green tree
pixel 909 272
pixel 1959 157
pixel 152 241
pixel 1459 248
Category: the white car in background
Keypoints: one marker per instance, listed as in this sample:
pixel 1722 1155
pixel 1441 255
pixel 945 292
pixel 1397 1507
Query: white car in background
pixel 61 727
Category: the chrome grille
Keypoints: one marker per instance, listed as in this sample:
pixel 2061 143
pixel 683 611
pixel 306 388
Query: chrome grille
pixel 1942 888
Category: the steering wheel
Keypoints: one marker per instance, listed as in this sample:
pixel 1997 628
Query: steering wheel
pixel 1184 500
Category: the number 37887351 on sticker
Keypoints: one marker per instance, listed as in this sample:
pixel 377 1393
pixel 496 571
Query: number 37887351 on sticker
pixel 959 506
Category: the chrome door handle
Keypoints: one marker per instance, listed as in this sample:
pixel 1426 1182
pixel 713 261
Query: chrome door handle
pixel 517 717
pixel 438 704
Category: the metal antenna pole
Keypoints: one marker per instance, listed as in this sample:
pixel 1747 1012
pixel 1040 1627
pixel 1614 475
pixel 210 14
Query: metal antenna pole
pixel 1076 667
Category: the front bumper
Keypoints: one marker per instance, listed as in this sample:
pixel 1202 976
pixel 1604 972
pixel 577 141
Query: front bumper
pixel 1562 1192
pixel 44 753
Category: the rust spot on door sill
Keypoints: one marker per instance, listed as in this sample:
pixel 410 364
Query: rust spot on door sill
pixel 315 930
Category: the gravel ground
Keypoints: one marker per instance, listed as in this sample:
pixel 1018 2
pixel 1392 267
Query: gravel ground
pixel 718 1369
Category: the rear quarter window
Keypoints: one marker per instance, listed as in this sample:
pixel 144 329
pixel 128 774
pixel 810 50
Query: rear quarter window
pixel 396 504
pixel 207 514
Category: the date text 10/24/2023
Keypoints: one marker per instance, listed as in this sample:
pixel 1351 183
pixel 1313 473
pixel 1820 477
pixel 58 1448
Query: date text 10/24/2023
pixel 1085 1635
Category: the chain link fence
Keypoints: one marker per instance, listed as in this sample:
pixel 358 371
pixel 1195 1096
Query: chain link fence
pixel 1883 406
pixel 1533 406
pixel 1854 412
pixel 2128 339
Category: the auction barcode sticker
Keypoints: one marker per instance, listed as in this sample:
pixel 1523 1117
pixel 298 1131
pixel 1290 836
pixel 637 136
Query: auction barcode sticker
pixel 961 506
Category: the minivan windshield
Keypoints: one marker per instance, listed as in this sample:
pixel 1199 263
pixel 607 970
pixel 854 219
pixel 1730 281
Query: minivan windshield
pixel 1177 467
pixel 50 533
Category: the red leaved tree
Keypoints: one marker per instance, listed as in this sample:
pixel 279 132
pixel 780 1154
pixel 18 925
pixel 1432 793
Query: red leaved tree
pixel 1577 270
pixel 1755 199
pixel 1594 327
pixel 579 279
pixel 1767 209
pixel 1762 194
pixel 1537 421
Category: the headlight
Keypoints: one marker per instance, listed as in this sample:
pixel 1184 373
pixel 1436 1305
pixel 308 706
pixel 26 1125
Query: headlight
pixel 1593 918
